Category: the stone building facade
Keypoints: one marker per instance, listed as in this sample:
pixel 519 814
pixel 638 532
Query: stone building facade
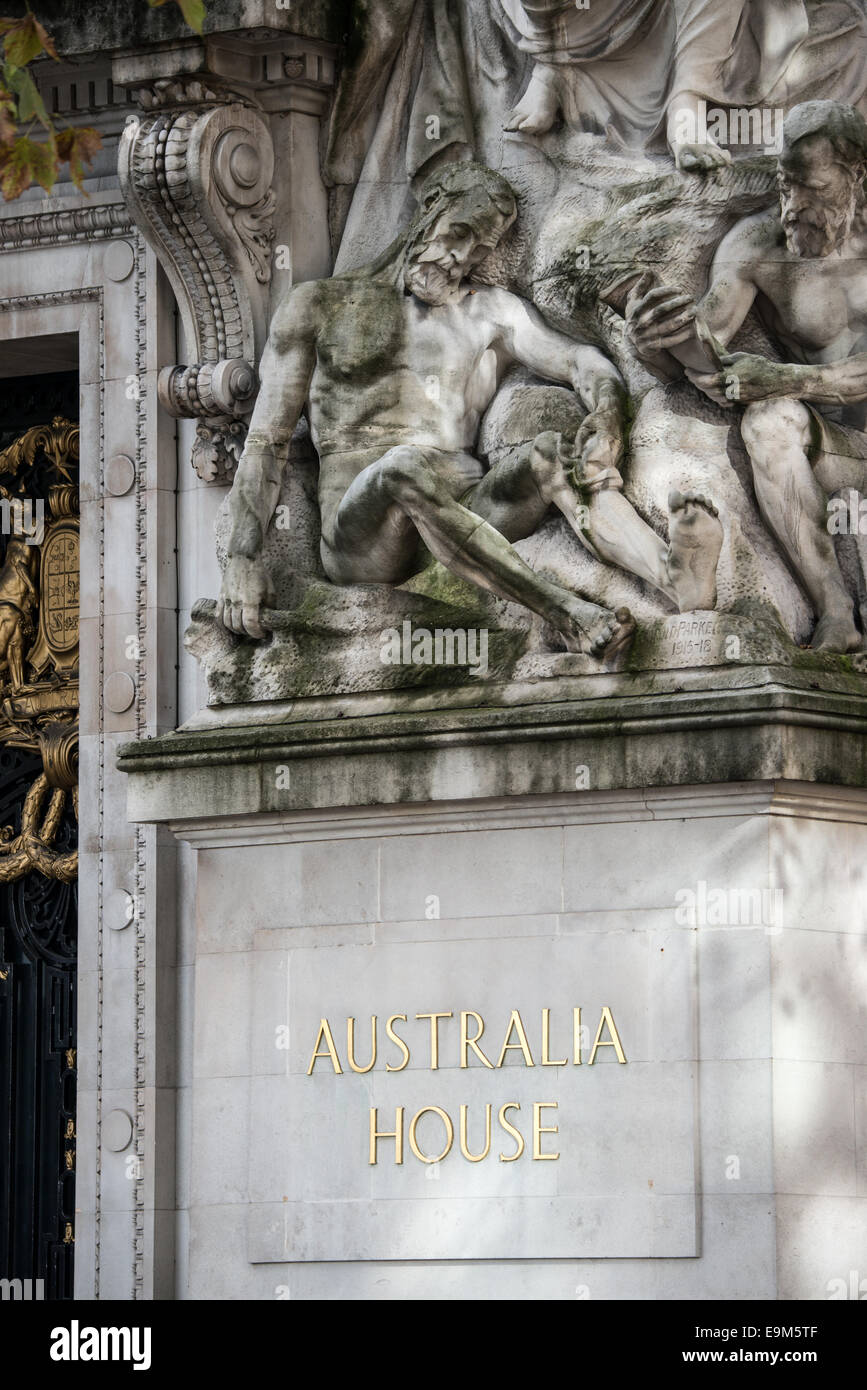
pixel 634 848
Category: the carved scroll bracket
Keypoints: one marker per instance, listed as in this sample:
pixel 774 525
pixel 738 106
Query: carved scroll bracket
pixel 196 171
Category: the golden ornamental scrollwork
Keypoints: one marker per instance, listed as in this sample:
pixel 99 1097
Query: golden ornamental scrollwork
pixel 39 639
pixel 59 441
pixel 32 848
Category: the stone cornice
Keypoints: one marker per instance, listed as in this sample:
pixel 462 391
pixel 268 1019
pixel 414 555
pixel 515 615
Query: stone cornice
pixel 761 733
pixel 471 728
pixel 56 228
pixel 113 28
pixel 275 72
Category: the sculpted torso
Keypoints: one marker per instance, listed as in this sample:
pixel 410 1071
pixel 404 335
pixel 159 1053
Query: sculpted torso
pixel 389 367
pixel 816 309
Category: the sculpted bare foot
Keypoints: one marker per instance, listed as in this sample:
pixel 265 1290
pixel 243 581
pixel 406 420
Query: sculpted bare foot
pixel 695 535
pixel 538 108
pixel 699 159
pixel 617 648
pixel 598 632
pixel 835 634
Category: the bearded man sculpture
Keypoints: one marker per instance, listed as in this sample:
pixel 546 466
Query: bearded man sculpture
pixel 397 363
pixel 802 265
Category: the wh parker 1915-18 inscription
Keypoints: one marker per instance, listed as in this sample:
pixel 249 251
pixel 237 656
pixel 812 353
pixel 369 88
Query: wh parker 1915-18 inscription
pixel 515 1040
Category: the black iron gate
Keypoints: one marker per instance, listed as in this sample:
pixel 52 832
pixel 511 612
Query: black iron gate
pixel 38 930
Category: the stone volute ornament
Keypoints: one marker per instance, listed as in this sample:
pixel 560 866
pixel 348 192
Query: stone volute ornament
pixel 196 170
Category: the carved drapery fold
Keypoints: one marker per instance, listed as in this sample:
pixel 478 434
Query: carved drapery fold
pixel 196 171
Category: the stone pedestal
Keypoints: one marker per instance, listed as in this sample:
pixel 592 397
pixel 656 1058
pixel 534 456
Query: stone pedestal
pixel 683 865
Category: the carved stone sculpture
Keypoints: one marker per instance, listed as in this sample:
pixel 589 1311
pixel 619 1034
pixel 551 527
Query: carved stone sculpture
pixel 602 64
pixel 764 55
pixel 399 361
pixel 196 171
pixel 804 421
pixel 506 411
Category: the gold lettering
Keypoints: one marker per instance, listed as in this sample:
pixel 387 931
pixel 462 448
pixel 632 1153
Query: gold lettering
pixel 521 1044
pixel 350 1045
pixel 576 1037
pixel 325 1032
pixel 475 1158
pixel 392 1036
pixel 613 1041
pixel 434 1038
pixel 467 1042
pixel 540 1129
pixel 396 1134
pixel 510 1129
pixel 450 1132
pixel 546 1026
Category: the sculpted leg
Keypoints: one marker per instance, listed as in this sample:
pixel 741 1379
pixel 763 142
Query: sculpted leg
pixel 777 437
pixel 15 656
pixel 607 523
pixel 403 485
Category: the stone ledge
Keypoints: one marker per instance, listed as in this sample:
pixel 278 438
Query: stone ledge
pixel 790 800
pixel 345 752
pixel 78 26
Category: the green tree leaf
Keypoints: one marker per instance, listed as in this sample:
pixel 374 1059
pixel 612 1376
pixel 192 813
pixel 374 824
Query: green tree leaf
pixel 24 39
pixel 22 160
pixel 27 161
pixel 8 125
pixel 78 145
pixel 30 103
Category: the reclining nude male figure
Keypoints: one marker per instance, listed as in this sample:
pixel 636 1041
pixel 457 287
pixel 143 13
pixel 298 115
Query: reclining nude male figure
pixel 397 363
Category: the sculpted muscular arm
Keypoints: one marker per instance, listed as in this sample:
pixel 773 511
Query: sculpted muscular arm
pixel 663 318
pixel 528 339
pixel 286 369
pixel 732 289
